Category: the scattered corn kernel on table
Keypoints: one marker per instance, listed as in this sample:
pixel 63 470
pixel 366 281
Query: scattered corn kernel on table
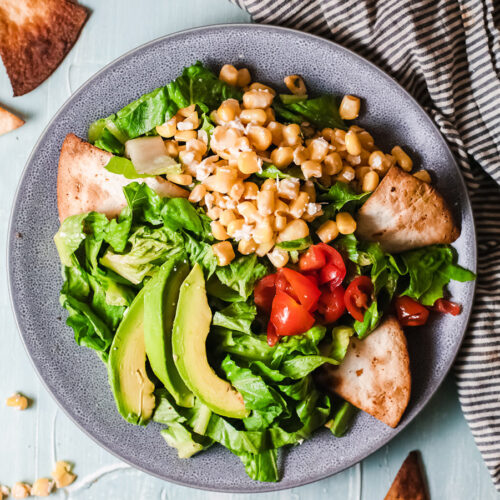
pixel 31 441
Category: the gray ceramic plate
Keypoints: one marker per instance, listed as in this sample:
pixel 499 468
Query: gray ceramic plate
pixel 77 378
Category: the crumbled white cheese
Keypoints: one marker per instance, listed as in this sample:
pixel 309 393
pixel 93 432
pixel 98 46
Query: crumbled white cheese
pixel 209 200
pixel 313 208
pixel 204 169
pixel 203 136
pixel 185 125
pixel 245 233
pixel 187 158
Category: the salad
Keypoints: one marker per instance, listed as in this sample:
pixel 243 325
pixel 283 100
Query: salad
pixel 231 253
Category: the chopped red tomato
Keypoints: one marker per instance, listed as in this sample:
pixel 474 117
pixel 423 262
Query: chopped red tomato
pixel 327 261
pixel 357 296
pixel 304 290
pixel 313 260
pixel 288 316
pixel 272 336
pixel 264 292
pixel 447 307
pixel 331 304
pixel 410 312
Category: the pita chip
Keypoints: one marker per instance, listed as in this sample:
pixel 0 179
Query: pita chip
pixel 375 374
pixel 409 483
pixel 405 213
pixel 9 121
pixel 84 185
pixel 35 36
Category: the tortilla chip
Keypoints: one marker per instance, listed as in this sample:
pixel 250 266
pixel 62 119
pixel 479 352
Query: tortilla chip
pixel 35 36
pixel 84 185
pixel 9 121
pixel 409 483
pixel 375 374
pixel 404 213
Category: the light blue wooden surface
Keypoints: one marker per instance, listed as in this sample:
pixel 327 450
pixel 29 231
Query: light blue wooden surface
pixel 30 441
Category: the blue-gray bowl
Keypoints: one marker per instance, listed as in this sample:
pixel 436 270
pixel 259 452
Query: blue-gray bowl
pixel 77 378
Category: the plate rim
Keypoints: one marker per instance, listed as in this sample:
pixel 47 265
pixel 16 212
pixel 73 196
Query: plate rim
pixel 11 236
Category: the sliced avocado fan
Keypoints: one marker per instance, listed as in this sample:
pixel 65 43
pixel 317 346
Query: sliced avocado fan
pixel 160 302
pixel 191 327
pixel 132 389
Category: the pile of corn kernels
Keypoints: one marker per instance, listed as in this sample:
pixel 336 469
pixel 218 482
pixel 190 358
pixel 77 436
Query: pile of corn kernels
pixel 246 137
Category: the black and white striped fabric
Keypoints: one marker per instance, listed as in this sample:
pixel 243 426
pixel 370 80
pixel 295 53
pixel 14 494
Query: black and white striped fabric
pixel 447 54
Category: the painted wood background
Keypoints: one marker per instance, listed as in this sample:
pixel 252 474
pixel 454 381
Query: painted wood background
pixel 30 441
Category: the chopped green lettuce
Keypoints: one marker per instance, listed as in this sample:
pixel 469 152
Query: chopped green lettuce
pixel 319 111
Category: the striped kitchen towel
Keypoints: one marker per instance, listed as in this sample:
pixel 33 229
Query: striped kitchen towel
pixel 447 54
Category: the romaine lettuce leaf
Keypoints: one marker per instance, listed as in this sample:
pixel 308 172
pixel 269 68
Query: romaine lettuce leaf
pixel 198 85
pixel 320 111
pixel 242 274
pixel 238 316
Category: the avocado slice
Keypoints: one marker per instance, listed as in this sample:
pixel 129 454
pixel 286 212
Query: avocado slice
pixel 160 301
pixel 132 389
pixel 189 335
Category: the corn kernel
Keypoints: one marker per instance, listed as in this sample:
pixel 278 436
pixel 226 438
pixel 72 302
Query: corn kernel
pixel 318 149
pixel 185 135
pixel 328 231
pixel 257 98
pixel 311 168
pixel 295 84
pixel 228 110
pixel 265 202
pixel 21 490
pixel 263 232
pixel 181 179
pixel 42 487
pixel 345 223
pixel 276 130
pixel 244 77
pixel 288 188
pixel 298 206
pixel 251 190
pixel 234 226
pixel 18 401
pixel 333 164
pixel 349 107
pixel 260 137
pixel 168 129
pixel 218 230
pixel 402 159
pixel 262 87
pixel 347 175
pixel 282 156
pixel 255 116
pixel 294 230
pixel 291 135
pixel 62 474
pixel 370 181
pixel 352 144
pixel 280 222
pixel 278 257
pixel 309 188
pixel 248 162
pixel 264 248
pixel 423 175
pixel 224 252
pixel 246 247
pixel 229 74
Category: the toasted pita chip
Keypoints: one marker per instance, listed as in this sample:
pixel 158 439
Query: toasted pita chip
pixel 375 374
pixel 35 36
pixel 404 213
pixel 9 121
pixel 84 185
pixel 409 483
